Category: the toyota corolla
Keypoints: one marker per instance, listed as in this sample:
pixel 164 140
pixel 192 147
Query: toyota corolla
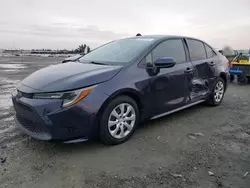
pixel 110 90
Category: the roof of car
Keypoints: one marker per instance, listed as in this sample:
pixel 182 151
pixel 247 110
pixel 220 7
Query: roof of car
pixel 157 37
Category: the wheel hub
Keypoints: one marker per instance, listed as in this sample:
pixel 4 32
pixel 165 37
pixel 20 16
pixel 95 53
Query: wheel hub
pixel 121 120
pixel 218 91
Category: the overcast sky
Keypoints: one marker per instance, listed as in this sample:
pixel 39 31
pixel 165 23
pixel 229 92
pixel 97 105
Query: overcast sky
pixel 68 23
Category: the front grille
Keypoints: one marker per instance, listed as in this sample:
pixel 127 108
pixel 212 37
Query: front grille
pixel 30 121
pixel 32 126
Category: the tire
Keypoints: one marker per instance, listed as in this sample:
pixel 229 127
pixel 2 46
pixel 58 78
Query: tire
pixel 212 101
pixel 242 80
pixel 248 79
pixel 122 123
pixel 231 78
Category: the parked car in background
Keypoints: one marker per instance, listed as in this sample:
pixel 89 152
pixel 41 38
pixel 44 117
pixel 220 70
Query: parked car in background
pixel 110 90
pixel 73 58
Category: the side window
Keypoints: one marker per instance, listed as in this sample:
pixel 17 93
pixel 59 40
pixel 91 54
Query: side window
pixel 210 52
pixel 170 48
pixel 147 59
pixel 196 49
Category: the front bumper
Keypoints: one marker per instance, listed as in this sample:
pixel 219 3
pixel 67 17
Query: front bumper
pixel 46 120
pixel 32 129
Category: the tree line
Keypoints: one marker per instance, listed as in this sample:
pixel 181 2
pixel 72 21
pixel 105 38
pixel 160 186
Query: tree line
pixel 82 49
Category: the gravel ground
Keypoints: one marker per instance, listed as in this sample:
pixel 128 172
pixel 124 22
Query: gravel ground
pixel 162 153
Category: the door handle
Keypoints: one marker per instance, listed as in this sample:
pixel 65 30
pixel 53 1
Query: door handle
pixel 211 63
pixel 189 70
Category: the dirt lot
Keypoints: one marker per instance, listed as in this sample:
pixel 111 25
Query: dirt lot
pixel 162 153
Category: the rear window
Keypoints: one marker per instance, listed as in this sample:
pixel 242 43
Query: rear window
pixel 210 52
pixel 196 49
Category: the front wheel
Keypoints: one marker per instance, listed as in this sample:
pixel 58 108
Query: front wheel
pixel 217 93
pixel 119 120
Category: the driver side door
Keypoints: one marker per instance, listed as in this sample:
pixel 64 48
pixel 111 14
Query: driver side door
pixel 169 89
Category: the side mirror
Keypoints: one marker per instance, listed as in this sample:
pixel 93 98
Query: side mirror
pixel 165 62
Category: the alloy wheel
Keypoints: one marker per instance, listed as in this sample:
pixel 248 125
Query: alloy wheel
pixel 121 120
pixel 219 91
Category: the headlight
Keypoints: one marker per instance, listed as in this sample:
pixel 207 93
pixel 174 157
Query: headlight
pixel 14 92
pixel 69 98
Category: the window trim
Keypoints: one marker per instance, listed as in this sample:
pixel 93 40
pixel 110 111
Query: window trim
pixel 140 64
pixel 186 39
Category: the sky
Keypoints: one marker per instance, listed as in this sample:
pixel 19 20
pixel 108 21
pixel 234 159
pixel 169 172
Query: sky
pixel 64 24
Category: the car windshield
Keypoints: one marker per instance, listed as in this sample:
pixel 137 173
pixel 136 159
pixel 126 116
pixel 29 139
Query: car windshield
pixel 118 52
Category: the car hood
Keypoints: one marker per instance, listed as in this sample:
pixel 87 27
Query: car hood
pixel 68 76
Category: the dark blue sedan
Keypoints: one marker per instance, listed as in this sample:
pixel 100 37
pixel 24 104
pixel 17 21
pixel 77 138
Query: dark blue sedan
pixel 110 90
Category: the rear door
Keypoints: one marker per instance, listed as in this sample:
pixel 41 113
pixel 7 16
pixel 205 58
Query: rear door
pixel 212 59
pixel 204 62
pixel 216 64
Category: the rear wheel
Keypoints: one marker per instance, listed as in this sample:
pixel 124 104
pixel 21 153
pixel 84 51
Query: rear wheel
pixel 218 93
pixel 242 80
pixel 119 120
pixel 231 77
pixel 248 78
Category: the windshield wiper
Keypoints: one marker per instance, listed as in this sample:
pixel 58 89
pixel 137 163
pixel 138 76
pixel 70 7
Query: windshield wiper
pixel 92 62
pixel 98 63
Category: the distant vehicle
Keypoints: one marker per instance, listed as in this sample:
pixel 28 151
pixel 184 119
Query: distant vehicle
pixel 110 90
pixel 240 67
pixel 72 59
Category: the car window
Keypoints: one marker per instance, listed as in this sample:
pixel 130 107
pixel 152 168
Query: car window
pixel 170 48
pixel 118 52
pixel 196 49
pixel 146 60
pixel 210 52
